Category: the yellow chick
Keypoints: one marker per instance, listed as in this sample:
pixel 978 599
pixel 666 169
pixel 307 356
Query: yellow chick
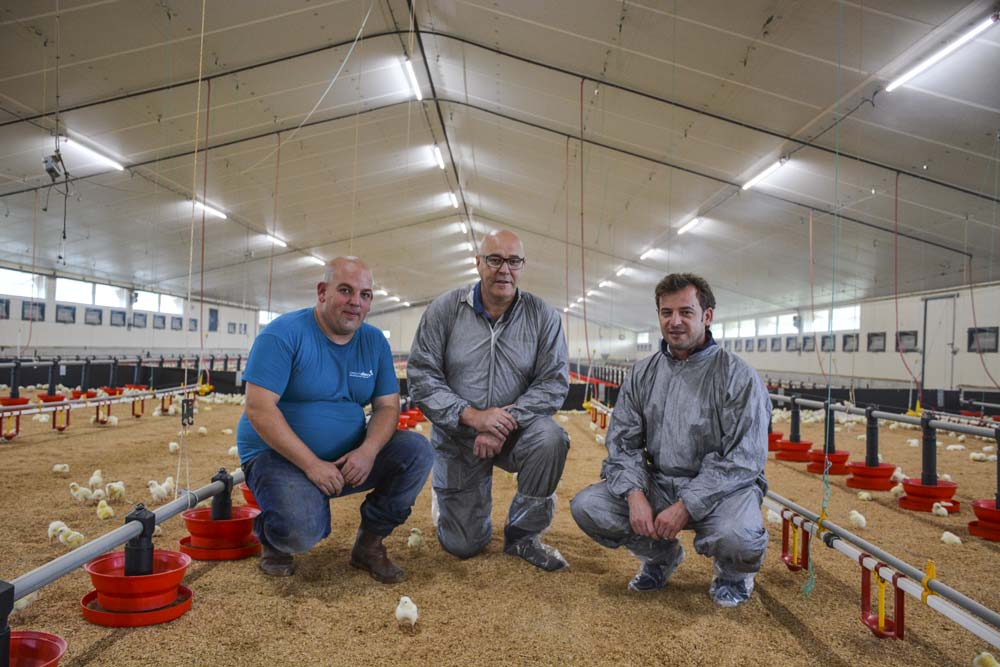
pixel 157 531
pixel 234 451
pixel 978 457
pixel 939 510
pixel 984 659
pixel 857 519
pixel 55 528
pixel 96 480
pixel 115 491
pixel 416 539
pixel 202 430
pixel 80 493
pixel 173 447
pixel 898 475
pixel 97 496
pixel 897 491
pixel 104 510
pixel 864 495
pixel 61 469
pixel 71 538
pixel 157 491
pixel 227 431
pixel 406 612
pixel 22 604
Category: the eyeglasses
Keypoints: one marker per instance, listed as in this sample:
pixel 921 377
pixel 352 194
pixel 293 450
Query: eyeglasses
pixel 496 261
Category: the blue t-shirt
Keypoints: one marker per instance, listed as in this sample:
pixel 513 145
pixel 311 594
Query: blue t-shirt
pixel 323 386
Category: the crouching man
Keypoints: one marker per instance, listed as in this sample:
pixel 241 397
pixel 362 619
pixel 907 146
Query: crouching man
pixel 687 446
pixel 303 438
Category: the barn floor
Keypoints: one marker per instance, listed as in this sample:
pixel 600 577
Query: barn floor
pixel 491 609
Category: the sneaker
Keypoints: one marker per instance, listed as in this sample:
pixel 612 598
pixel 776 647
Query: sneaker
pixel 540 555
pixel 731 592
pixel 276 563
pixel 652 577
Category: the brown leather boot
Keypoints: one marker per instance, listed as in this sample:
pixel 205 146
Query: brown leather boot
pixel 276 563
pixel 369 554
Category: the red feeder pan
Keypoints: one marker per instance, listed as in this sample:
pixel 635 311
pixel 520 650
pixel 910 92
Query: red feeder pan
pixel 874 478
pixel 970 413
pixel 405 422
pixel 988 526
pixel 921 497
pixel 95 614
pixel 793 451
pixel 251 548
pixel 85 394
pixel 35 649
pixel 137 387
pixel 118 593
pixel 416 415
pixel 113 391
pixel 247 495
pixel 838 462
pixel 772 441
pixel 7 401
pixel 51 398
pixel 222 533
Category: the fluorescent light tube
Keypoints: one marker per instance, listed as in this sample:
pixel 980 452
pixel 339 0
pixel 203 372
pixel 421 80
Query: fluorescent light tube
pixel 412 78
pixel 465 229
pixel 976 30
pixel 579 299
pixel 591 292
pixel 316 260
pixel 764 174
pixel 604 283
pixel 622 271
pixel 381 292
pixel 438 158
pixel 209 210
pixel 276 241
pixel 646 255
pixel 394 298
pixel 471 260
pixel 688 226
pixel 454 200
pixel 92 154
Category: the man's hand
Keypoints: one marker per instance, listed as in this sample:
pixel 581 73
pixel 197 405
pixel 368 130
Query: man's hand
pixel 671 521
pixel 326 476
pixel 487 445
pixel 640 515
pixel 356 465
pixel 495 421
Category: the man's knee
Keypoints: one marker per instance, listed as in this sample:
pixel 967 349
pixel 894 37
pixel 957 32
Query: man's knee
pixel 548 440
pixel 460 544
pixel 581 507
pixel 738 545
pixel 291 533
pixel 413 453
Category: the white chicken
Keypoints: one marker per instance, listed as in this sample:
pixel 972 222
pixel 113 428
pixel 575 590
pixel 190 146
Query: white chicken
pixel 157 491
pixel 234 451
pixel 227 431
pixel 112 420
pixel 860 437
pixel 897 491
pixel 898 475
pixel 893 426
pixel 955 448
pixel 950 538
pixel 961 438
pixel 71 538
pixel 944 477
pixel 857 519
pixel 104 510
pixel 168 484
pixel 80 493
pixel 864 495
pixel 984 659
pixel 23 603
pixel 202 430
pixel 96 480
pixel 61 469
pixel 115 491
pixel 55 528
pixel 773 517
pixel 978 457
pixel 913 442
pixel 599 439
pixel 416 539
pixel 939 510
pixel 563 418
pixel 406 612
pixel 593 426
pixel 173 447
pixel 157 531
pixel 988 449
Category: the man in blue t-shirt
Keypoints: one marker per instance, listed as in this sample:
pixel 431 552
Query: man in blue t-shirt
pixel 303 438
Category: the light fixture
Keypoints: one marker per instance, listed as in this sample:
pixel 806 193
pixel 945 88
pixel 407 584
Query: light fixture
pixel 214 212
pixel 591 292
pixel 688 226
pixel 438 158
pixel 604 283
pixel 925 64
pixel 394 298
pixel 276 241
pixel 467 246
pixel 92 154
pixel 380 292
pixel 764 174
pixel 566 309
pixel 454 200
pixel 471 260
pixel 316 260
pixel 622 271
pixel 465 230
pixel 412 78
pixel 405 304
pixel 646 255
pixel 572 305
pixel 579 299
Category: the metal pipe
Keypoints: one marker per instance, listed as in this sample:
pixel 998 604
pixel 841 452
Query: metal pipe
pixel 87 402
pixel 69 562
pixel 963 601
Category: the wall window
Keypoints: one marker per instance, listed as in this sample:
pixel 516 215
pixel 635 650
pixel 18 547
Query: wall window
pixel 146 301
pixel 786 324
pixel 19 283
pixel 767 326
pixel 74 291
pixel 112 297
pixel 818 321
pixel 387 334
pixel 640 338
pixel 265 317
pixel 847 318
pixel 748 328
pixel 171 305
pixel 731 330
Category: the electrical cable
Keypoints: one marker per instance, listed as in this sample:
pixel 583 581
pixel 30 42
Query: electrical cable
pixel 583 254
pixel 895 283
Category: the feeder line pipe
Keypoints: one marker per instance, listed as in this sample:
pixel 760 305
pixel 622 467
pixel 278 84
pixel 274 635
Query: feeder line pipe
pixel 600 407
pixel 908 585
pixel 63 565
pixel 984 404
pixel 94 402
pixel 891 416
pixel 945 591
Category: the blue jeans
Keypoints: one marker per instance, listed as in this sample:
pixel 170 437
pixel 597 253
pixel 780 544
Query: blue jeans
pixel 295 515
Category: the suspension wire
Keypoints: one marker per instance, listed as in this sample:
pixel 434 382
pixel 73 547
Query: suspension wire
pixel 274 222
pixel 895 282
pixel 583 255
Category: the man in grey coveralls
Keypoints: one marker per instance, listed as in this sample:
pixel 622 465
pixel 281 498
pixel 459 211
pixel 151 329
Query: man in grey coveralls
pixel 489 368
pixel 686 449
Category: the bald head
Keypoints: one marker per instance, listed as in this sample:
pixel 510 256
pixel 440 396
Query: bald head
pixel 499 284
pixel 502 242
pixel 335 267
pixel 343 298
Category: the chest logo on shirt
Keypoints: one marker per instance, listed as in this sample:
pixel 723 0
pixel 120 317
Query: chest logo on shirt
pixel 361 374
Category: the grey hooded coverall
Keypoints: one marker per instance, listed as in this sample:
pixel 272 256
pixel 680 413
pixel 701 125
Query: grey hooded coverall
pixel 459 359
pixel 692 430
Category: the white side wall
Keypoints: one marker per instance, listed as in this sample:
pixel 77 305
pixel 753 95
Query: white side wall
pixel 944 369
pixel 54 337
